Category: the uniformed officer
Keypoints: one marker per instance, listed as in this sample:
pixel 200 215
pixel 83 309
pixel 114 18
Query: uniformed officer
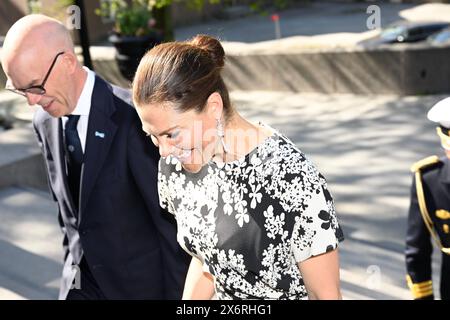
pixel 429 213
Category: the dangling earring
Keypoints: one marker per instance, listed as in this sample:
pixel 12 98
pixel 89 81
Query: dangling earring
pixel 221 134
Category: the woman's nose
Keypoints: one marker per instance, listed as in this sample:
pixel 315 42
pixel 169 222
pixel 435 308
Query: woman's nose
pixel 165 149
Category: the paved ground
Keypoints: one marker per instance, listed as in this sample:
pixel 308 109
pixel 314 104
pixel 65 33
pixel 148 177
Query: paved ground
pixel 364 145
pixel 30 249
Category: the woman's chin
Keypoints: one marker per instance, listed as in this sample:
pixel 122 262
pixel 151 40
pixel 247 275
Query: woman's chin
pixel 193 162
pixel 192 168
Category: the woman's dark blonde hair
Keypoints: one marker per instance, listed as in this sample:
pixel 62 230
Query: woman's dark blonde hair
pixel 182 73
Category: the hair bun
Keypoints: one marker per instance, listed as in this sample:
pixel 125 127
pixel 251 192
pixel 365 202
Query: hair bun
pixel 212 46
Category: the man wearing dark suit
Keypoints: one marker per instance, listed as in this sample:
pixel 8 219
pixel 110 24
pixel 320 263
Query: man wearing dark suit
pixel 429 214
pixel 102 171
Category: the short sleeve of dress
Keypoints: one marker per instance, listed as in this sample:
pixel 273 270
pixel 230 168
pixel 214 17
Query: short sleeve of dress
pixel 316 229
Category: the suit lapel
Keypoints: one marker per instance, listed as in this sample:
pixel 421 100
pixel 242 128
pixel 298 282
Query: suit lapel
pixel 100 135
pixel 53 132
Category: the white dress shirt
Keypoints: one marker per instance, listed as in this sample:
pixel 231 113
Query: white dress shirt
pixel 83 107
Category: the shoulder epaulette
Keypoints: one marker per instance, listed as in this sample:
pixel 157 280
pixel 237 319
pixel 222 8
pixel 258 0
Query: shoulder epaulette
pixel 424 163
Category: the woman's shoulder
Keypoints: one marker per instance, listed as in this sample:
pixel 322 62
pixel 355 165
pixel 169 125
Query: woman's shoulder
pixel 281 157
pixel 292 178
pixel 280 150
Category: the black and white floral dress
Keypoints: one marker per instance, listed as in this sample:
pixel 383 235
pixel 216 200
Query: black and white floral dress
pixel 251 220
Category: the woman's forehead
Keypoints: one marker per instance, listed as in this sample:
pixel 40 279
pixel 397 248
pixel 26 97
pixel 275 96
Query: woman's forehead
pixel 161 113
pixel 159 118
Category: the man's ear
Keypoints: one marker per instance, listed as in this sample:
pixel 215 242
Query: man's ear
pixel 71 62
pixel 214 105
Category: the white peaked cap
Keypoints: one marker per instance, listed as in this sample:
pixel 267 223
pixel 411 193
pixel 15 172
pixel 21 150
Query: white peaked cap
pixel 440 113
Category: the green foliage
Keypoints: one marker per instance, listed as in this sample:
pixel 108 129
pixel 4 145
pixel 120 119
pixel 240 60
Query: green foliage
pixel 262 6
pixel 55 10
pixel 198 4
pixel 65 3
pixel 134 19
pixel 194 4
pixel 34 6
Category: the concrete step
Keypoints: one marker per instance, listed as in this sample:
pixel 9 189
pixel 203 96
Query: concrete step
pixel 30 245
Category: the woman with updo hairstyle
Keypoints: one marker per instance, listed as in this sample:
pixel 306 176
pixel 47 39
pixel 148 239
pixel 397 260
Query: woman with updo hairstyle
pixel 253 212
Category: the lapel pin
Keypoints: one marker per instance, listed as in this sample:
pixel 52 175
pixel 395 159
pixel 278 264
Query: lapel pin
pixel 99 134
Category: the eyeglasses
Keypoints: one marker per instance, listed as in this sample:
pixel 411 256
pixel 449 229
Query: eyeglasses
pixel 39 89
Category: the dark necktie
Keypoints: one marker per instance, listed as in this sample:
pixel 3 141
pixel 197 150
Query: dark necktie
pixel 74 157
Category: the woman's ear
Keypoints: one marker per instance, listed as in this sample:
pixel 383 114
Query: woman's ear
pixel 214 105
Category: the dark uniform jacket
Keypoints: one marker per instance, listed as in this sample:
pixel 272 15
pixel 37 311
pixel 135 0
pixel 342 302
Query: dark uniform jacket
pixel 428 220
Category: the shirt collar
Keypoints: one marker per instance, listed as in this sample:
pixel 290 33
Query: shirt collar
pixel 84 101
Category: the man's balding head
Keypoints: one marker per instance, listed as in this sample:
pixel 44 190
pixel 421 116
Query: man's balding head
pixel 36 34
pixel 29 48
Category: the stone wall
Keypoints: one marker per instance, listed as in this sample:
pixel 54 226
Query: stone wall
pixel 403 70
